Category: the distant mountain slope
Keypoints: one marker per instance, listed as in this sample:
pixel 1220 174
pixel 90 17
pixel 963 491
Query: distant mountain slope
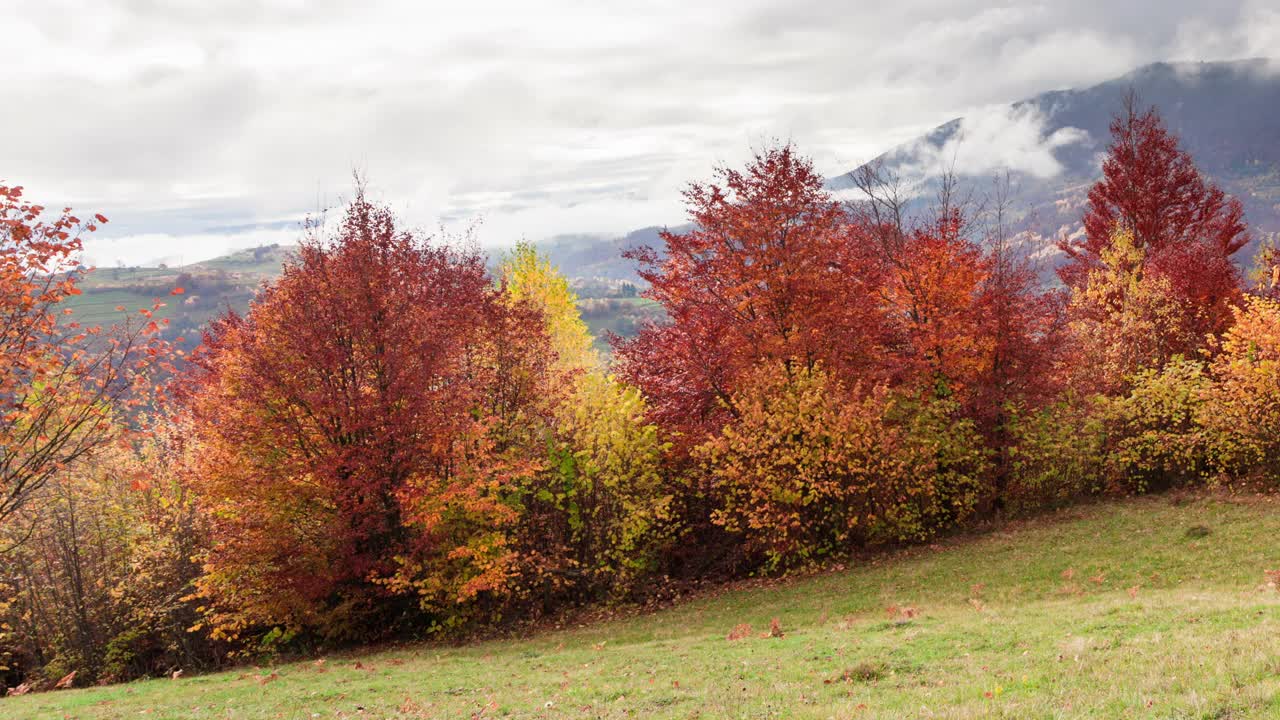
pixel 208 289
pixel 599 256
pixel 1227 115
pixel 605 283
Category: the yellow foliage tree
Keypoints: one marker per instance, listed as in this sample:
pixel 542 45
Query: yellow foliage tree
pixel 599 517
pixel 1124 320
pixel 529 277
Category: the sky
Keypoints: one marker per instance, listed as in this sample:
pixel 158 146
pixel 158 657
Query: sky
pixel 204 126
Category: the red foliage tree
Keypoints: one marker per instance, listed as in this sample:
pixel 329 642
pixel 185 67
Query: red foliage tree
pixel 376 371
pixel 968 319
pixel 1188 228
pixel 1025 326
pixel 769 273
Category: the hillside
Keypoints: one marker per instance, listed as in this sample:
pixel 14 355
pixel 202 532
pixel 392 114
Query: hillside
pixel 208 289
pixel 608 303
pixel 1154 607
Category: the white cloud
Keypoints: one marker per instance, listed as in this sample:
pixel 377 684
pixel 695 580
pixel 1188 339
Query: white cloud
pixel 178 250
pixel 989 140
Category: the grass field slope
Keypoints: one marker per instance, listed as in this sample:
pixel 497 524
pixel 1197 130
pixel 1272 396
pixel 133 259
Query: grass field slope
pixel 1159 607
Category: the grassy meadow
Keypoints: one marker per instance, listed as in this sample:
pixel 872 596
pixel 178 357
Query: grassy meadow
pixel 1156 607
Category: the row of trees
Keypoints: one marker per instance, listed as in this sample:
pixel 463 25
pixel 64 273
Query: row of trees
pixel 392 442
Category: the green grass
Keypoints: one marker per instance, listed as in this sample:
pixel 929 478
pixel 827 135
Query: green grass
pixel 1119 610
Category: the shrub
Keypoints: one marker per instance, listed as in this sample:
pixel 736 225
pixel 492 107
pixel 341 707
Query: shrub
pixel 97 571
pixel 597 519
pixel 1241 415
pixel 1058 454
pixel 809 468
pixel 1158 441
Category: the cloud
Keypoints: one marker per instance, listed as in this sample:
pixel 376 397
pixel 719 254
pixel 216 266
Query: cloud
pixel 178 250
pixel 1254 32
pixel 180 117
pixel 992 139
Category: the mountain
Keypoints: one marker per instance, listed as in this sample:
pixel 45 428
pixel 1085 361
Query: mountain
pixel 1227 115
pixel 599 256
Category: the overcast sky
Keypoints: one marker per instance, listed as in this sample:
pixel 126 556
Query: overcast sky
pixel 198 126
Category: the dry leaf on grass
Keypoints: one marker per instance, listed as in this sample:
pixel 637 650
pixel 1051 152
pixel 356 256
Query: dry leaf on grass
pixel 66 681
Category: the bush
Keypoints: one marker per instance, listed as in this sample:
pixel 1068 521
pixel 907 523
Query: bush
pixel 809 468
pixel 946 445
pixel 1058 454
pixel 97 571
pixel 1158 441
pixel 597 519
pixel 1241 414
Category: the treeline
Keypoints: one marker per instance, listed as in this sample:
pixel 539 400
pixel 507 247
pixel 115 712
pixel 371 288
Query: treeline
pixel 393 442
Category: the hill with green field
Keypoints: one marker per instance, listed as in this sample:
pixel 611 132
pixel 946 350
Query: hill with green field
pixel 1157 607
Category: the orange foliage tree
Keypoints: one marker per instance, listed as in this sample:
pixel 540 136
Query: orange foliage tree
pixel 62 385
pixel 1242 411
pixel 358 429
pixel 968 323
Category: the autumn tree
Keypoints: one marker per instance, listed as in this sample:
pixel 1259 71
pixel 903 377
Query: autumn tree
pixel 597 517
pixel 932 274
pixel 768 272
pixel 967 318
pixel 62 385
pixel 1242 411
pixel 1123 319
pixel 359 429
pixel 1025 323
pixel 1152 193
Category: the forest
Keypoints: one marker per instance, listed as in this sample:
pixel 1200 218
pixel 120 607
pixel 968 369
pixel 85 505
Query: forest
pixel 396 442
